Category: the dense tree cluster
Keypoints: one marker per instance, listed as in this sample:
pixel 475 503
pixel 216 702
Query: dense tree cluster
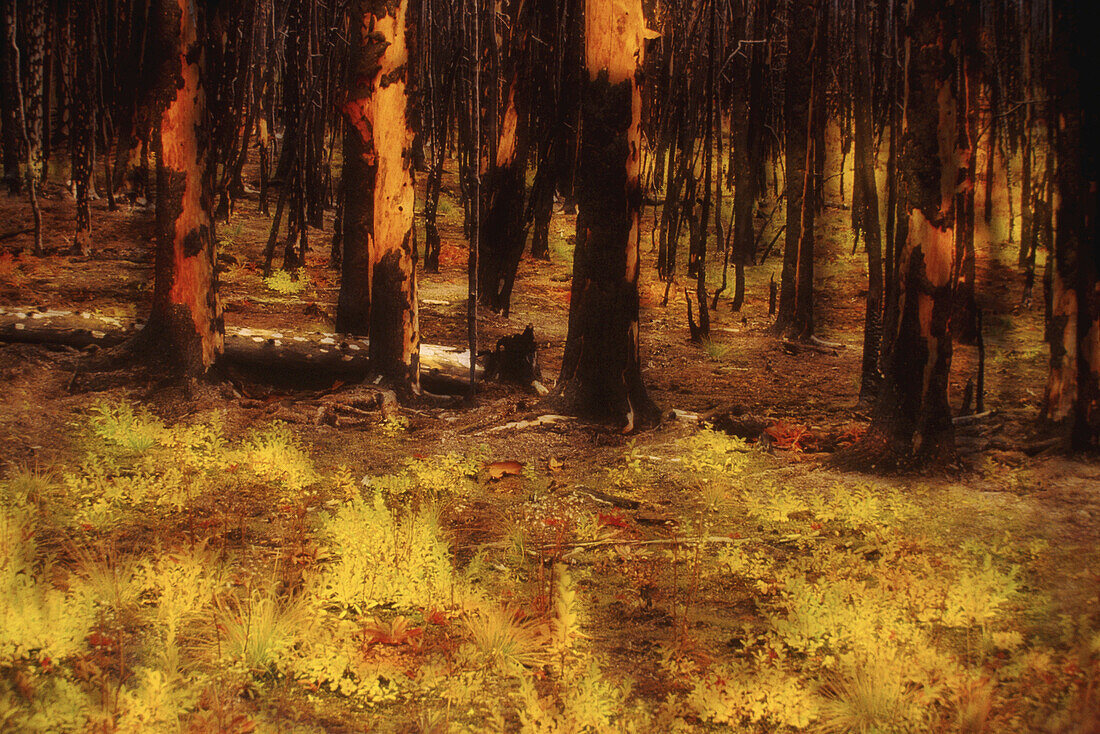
pixel 610 105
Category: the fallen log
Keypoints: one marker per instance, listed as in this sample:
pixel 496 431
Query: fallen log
pixel 442 369
pixel 542 420
pixel 820 347
pixel 966 420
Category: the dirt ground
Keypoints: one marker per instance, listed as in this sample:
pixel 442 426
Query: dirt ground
pixel 745 365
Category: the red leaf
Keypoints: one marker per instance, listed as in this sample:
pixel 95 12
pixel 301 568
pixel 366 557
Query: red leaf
pixel 612 519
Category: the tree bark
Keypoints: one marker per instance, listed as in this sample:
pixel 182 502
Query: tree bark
pixel 867 216
pixel 185 327
pixel 541 206
pixel 965 318
pixel 21 119
pixel 811 184
pixel 748 129
pixel 912 419
pixel 1074 386
pixel 378 293
pixel 12 138
pixel 601 368
pixel 796 103
pixel 503 230
pixel 83 125
pixel 33 69
pixel 503 227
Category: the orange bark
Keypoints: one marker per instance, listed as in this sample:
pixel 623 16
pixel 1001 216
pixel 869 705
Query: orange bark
pixel 186 310
pixel 379 264
pixel 601 367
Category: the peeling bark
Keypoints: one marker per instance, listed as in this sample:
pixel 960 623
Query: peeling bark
pixel 185 326
pixel 378 293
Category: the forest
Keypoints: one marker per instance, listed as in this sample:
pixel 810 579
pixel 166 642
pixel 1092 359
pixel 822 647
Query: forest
pixel 787 419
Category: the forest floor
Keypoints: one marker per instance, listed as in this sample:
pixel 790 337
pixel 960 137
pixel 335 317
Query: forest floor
pixel 213 560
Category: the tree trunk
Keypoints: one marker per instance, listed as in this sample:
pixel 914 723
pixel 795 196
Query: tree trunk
pixel 796 103
pixel 965 318
pixel 541 206
pixel 867 217
pixel 12 139
pixel 811 185
pixel 83 125
pixel 748 130
pixel 601 368
pixel 1074 385
pixel 503 231
pixel 819 118
pixel 993 134
pixel 912 419
pixel 21 119
pixel 438 85
pixel 378 294
pixel 33 69
pixel 185 326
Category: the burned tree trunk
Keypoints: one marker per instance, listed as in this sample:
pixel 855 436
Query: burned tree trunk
pixel 503 227
pixel 1074 386
pixel 912 419
pixel 867 214
pixel 437 74
pixel 83 125
pixel 811 133
pixel 798 92
pixel 378 284
pixel 31 179
pixel 12 138
pixel 965 318
pixel 34 75
pixel 185 326
pixel 540 208
pixel 748 131
pixel 601 368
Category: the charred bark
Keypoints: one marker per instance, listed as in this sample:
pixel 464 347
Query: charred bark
pixel 33 68
pixel 30 177
pixel 83 126
pixel 912 418
pixel 186 328
pixel 748 129
pixel 796 103
pixel 867 216
pixel 12 138
pixel 378 294
pixel 601 368
pixel 503 229
pixel 1074 386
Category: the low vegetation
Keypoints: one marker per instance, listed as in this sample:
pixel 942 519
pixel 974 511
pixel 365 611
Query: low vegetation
pixel 181 578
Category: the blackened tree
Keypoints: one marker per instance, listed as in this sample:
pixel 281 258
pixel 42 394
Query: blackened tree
pixel 912 419
pixel 601 368
pixel 378 295
pixel 185 329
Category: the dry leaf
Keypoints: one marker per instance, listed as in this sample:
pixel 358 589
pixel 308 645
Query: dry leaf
pixel 500 469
